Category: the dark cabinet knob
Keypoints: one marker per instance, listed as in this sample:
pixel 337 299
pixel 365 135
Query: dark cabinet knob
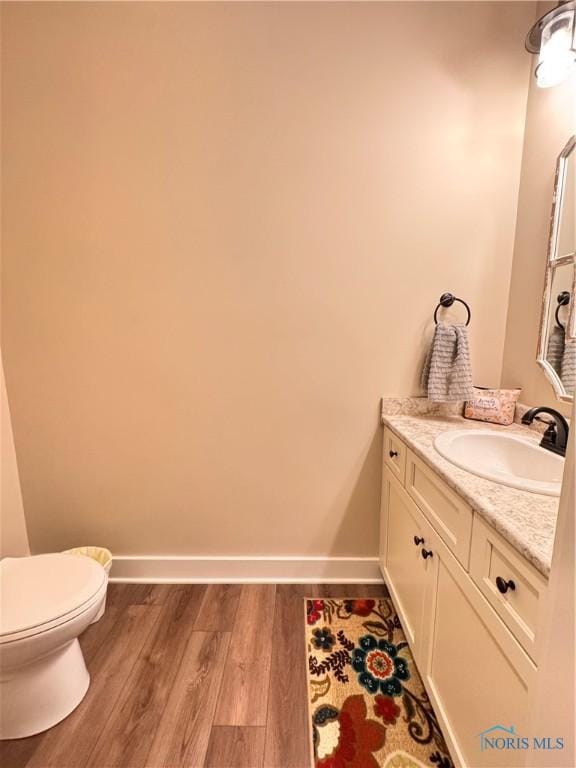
pixel 418 540
pixel 503 585
pixel 392 454
pixel 426 553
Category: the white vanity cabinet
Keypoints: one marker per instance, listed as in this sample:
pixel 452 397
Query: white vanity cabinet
pixel 472 644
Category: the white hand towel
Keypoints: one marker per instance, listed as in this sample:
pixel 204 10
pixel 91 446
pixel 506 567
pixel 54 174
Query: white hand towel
pixel 447 374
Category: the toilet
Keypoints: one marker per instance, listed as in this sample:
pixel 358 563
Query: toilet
pixel 46 602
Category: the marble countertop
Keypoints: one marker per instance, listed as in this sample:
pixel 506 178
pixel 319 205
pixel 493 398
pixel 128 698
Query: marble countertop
pixel 526 520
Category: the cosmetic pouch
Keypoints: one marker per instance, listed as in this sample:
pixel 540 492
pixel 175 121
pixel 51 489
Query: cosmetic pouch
pixel 494 405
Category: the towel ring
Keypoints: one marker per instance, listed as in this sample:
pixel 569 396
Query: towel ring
pixel 563 301
pixel 446 300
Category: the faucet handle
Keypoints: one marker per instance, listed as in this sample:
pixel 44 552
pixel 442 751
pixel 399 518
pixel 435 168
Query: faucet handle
pixel 548 422
pixel 550 436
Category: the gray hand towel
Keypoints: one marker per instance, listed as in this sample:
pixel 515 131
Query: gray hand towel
pixel 555 350
pixel 568 367
pixel 447 374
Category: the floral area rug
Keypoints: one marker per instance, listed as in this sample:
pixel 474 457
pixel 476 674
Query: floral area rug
pixel 368 706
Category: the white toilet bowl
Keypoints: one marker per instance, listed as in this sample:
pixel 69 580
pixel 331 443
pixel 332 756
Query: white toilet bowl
pixel 46 602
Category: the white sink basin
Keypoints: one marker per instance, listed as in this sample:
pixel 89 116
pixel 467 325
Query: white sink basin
pixel 507 459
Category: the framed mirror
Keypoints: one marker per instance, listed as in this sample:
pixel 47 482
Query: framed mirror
pixel 557 342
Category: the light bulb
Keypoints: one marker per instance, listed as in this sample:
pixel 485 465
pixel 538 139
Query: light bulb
pixel 557 55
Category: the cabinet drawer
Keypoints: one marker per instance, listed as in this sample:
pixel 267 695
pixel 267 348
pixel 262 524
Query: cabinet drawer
pixel 449 515
pixel 394 454
pixel 520 606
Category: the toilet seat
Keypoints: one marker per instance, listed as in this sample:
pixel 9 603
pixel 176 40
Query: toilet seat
pixel 44 591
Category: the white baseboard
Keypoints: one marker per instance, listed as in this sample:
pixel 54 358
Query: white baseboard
pixel 244 570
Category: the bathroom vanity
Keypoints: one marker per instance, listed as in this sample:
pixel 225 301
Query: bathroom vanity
pixel 466 561
pixel 467 532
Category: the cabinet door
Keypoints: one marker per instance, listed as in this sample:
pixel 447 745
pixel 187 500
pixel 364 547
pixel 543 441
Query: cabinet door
pixel 404 569
pixel 477 675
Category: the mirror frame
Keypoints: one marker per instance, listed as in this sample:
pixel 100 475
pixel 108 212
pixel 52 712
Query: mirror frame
pixel 552 262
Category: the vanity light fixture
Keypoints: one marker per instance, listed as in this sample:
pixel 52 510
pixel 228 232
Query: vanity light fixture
pixel 553 37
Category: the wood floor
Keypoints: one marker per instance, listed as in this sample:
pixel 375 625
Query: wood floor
pixel 189 675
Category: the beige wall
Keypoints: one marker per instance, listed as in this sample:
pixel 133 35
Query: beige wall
pixel 13 535
pixel 226 229
pixel 550 121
